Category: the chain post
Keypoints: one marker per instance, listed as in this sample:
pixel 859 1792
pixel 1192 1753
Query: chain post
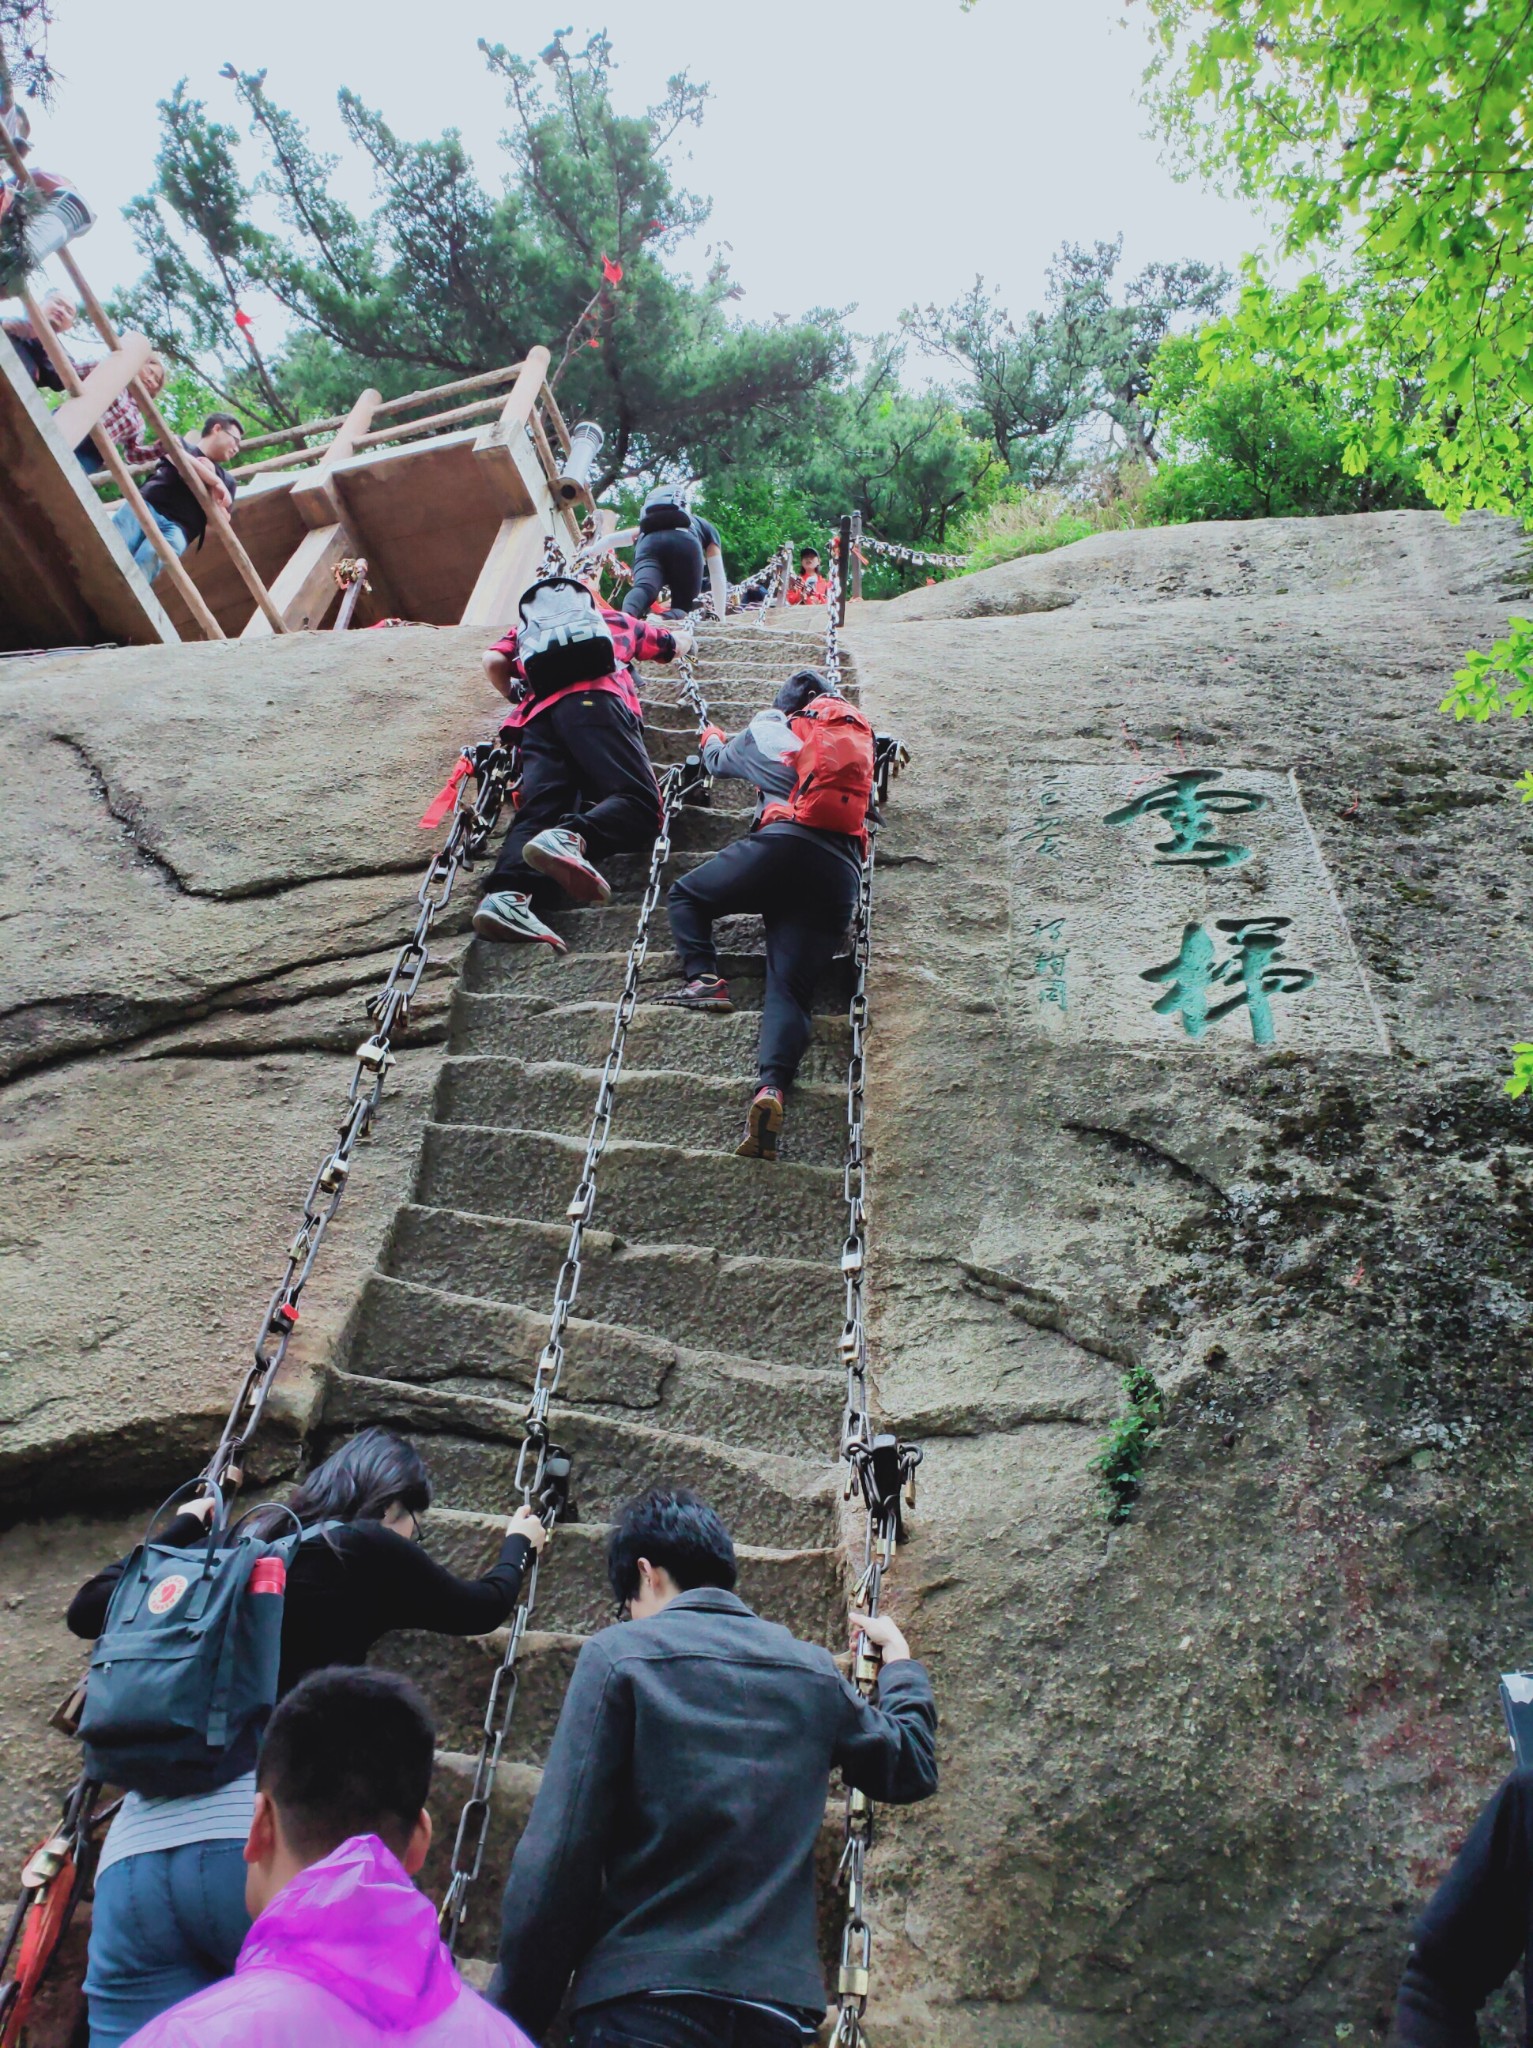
pixel 855 570
pixel 843 566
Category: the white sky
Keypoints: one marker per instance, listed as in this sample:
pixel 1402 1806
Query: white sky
pixel 975 142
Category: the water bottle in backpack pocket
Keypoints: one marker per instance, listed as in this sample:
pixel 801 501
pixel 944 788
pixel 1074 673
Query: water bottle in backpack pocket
pixel 183 1677
pixel 562 637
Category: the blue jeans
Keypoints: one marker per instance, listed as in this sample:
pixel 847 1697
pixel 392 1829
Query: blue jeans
pixel 685 2020
pixel 139 545
pixel 166 1923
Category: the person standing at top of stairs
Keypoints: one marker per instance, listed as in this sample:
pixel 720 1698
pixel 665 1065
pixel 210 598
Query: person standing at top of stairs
pixel 669 1857
pixel 801 879
pixel 587 786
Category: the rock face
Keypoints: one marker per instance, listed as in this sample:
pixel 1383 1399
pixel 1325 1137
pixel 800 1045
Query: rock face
pixel 1199 937
pixel 1202 1768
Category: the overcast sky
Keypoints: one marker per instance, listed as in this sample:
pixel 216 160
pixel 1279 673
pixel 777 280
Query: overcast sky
pixel 973 142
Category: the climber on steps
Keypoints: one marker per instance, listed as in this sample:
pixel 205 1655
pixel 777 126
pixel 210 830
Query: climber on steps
pixel 669 1859
pixel 673 548
pixel 169 1915
pixel 587 787
pixel 810 755
pixel 343 1949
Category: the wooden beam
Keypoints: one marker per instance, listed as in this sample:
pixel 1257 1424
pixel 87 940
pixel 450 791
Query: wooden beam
pixel 305 588
pixel 314 496
pixel 500 376
pixel 508 568
pixel 100 386
pixel 504 449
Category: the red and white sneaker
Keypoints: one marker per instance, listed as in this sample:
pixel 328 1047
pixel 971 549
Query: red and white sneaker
pixel 762 1125
pixel 561 855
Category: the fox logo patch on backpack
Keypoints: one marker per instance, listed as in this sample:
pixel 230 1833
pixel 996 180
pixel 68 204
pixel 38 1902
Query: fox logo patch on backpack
pixel 832 771
pixel 562 637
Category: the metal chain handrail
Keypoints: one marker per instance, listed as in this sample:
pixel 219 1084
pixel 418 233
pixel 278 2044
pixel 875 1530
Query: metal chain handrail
pixel 913 558
pixel 879 1466
pixel 542 1468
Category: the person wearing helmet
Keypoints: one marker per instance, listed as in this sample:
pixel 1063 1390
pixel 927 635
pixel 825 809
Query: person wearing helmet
pixel 802 880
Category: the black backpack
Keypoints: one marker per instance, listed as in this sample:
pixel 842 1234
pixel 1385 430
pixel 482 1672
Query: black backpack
pixel 665 510
pixel 184 1676
pixel 562 637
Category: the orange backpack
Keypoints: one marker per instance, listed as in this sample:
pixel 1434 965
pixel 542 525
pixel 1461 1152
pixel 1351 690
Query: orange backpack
pixel 832 771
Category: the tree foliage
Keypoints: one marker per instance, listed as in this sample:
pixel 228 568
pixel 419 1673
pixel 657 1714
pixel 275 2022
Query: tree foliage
pixel 1038 386
pixel 24 66
pixel 1398 147
pixel 1247 436
pixel 444 278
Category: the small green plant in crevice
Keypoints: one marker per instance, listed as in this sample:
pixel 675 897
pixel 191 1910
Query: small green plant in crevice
pixel 1119 1465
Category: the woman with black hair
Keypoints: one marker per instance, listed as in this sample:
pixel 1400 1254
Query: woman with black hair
pixel 169 1911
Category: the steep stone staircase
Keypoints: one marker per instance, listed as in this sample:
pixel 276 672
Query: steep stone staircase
pixel 702 1349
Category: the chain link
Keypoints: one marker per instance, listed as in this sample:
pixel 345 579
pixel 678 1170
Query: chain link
pixel 913 558
pixel 878 1466
pixel 542 1468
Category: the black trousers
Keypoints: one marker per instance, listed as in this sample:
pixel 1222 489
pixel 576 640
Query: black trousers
pixel 805 891
pixel 674 558
pixel 583 767
pixel 686 2020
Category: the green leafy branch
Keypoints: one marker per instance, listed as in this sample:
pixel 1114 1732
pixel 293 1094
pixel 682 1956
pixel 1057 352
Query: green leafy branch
pixel 1119 1465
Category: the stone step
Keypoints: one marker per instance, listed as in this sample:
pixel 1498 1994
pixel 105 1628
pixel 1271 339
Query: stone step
pixel 785 1310
pixel 662 1107
pixel 461 1344
pixel 456 1672
pixel 470 1442
pixel 659 1038
pixel 575 976
pixel 611 929
pixel 805 1590
pixel 652 1194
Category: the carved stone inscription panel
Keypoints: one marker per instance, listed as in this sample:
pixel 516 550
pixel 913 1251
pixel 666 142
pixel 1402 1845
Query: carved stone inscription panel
pixel 1179 908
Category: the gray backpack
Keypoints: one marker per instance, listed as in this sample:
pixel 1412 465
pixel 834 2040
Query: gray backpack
pixel 562 637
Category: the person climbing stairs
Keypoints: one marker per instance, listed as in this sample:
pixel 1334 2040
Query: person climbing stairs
pixel 701 1347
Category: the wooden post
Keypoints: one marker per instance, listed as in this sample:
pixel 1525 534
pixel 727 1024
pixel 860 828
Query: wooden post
pixel 856 566
pixel 508 568
pixel 174 453
pixel 170 560
pixel 844 552
pixel 306 584
pixel 102 384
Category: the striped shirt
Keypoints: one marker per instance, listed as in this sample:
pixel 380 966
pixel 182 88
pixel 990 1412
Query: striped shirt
pixel 143 1824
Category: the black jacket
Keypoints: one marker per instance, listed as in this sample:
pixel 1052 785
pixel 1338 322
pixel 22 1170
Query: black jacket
pixel 1477 1927
pixel 671 1845
pixel 347 1588
pixel 169 492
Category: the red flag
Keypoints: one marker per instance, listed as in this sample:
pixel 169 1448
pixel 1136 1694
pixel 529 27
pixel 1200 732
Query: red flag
pixel 242 318
pixel 593 342
pixel 446 798
pixel 612 272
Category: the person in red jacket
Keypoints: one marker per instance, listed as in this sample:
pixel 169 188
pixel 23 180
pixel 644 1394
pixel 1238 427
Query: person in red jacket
pixel 586 786
pixel 808 586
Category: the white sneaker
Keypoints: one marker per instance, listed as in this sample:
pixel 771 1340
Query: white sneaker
pixel 561 855
pixel 507 914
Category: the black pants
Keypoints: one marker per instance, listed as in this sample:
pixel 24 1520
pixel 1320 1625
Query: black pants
pixel 583 767
pixel 676 558
pixel 685 2020
pixel 805 891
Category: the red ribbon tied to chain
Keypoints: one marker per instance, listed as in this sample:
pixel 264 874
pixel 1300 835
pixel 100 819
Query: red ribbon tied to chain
pixel 447 795
pixel 243 319
pixel 612 272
